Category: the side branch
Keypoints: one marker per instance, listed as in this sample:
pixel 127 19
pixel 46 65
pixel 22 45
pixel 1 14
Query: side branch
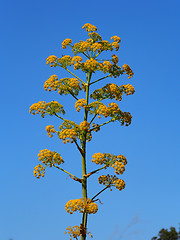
pixel 101 79
pixel 70 174
pixel 97 170
pixel 78 147
pixel 101 125
pixel 100 192
pixel 86 55
pixel 59 117
pixel 93 119
pixel 72 94
pixel 74 75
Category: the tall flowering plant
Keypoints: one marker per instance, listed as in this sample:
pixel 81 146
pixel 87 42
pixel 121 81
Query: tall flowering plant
pixel 96 115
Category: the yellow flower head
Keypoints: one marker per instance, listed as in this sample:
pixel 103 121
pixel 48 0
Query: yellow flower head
pixel 80 103
pixel 89 27
pixel 116 39
pixel 81 205
pixel 50 129
pixel 115 45
pixel 128 70
pixel 66 42
pixel 115 59
pixel 48 157
pixel 50 60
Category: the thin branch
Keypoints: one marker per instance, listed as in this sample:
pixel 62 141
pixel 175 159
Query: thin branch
pixel 97 170
pixel 104 59
pixel 71 175
pixel 72 94
pixel 74 75
pixel 78 147
pixel 100 192
pixel 101 125
pixel 98 54
pixel 100 79
pixel 59 117
pixel 93 119
pixel 86 55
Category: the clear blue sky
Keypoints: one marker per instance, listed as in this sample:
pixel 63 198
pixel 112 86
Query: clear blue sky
pixel 32 209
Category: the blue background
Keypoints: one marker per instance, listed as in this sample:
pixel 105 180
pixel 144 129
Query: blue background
pixel 32 209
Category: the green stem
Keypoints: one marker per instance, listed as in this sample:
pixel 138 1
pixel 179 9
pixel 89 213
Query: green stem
pixel 101 79
pixel 86 55
pixel 83 147
pixel 73 176
pixel 103 60
pixel 98 54
pixel 72 94
pixel 59 117
pixel 93 119
pixel 74 75
pixel 97 170
pixel 100 192
pixel 102 124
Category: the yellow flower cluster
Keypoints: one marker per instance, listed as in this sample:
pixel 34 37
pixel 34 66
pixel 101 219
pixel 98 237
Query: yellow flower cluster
pixel 84 126
pixel 95 36
pixel 76 231
pixel 97 47
pixel 39 171
pixel 50 129
pixel 76 61
pixel 73 232
pixel 125 118
pixel 115 45
pixel 100 108
pixel 81 205
pixel 119 184
pixel 74 83
pixel 115 59
pixel 89 27
pixel 111 91
pixel 128 89
pixel 111 110
pixel 51 83
pixel 51 60
pixel 112 181
pixel 64 85
pixel 128 70
pixel 48 157
pixel 107 66
pixel 116 162
pixel 54 107
pixel 49 108
pixel 36 108
pixel 75 131
pixel 66 42
pixel 119 167
pixel 90 40
pixel 106 45
pixel 82 46
pixel 116 39
pixel 100 158
pixel 65 61
pixel 68 135
pixel 80 103
pixel 66 58
pixel 91 65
